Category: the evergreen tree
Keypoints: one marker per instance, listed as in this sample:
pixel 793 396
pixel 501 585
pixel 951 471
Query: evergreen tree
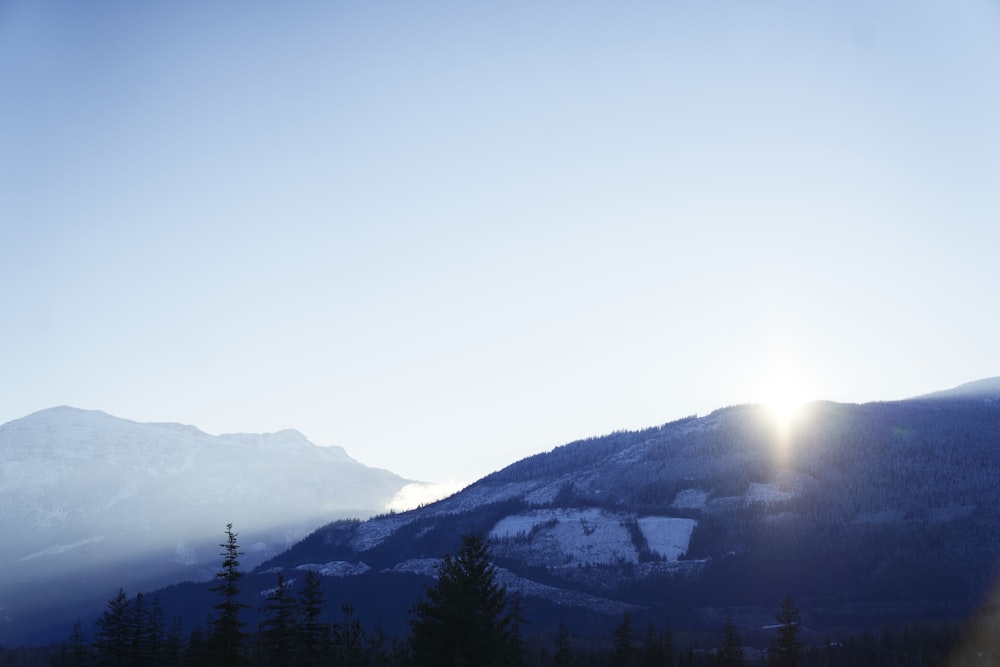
pixel 198 650
pixel 463 620
pixel 173 645
pixel 623 643
pixel 278 634
pixel 785 648
pixel 112 641
pixel 313 632
pixel 75 652
pixel 350 645
pixel 139 633
pixel 667 639
pixel 227 635
pixel 564 652
pixel 654 653
pixel 516 605
pixel 155 634
pixel 380 649
pixel 730 650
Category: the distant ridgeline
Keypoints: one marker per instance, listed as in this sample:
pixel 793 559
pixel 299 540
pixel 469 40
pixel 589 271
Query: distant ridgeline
pixel 90 502
pixel 873 515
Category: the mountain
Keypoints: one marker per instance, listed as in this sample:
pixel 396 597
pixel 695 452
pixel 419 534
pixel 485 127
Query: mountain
pixel 91 502
pixel 867 514
pixel 872 514
pixel 986 389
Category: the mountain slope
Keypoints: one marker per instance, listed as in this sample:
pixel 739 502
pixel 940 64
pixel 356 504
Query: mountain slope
pixel 987 389
pixel 90 502
pixel 865 513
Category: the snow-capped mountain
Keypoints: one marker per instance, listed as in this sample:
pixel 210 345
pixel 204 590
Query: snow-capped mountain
pixel 90 502
pixel 865 513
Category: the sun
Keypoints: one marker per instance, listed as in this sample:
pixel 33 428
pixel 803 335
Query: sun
pixel 783 397
pixel 784 408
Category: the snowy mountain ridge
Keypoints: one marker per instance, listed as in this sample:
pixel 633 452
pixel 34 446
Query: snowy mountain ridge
pixel 860 509
pixel 83 493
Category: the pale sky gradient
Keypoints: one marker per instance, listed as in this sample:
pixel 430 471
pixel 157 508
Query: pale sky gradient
pixel 448 235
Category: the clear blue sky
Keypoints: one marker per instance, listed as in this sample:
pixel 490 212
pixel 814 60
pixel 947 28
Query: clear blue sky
pixel 447 235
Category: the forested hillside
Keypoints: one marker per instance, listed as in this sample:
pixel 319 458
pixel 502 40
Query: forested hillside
pixel 468 616
pixel 863 512
pixel 878 520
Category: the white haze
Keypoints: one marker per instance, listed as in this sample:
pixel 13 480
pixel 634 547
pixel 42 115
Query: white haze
pixel 416 494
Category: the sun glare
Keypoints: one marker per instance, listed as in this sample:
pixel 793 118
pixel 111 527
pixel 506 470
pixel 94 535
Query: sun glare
pixel 784 398
pixel 784 410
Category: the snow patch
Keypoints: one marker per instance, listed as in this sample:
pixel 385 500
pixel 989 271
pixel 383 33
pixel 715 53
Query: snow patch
pixel 544 494
pixel 372 532
pixel 766 493
pixel 271 591
pixel 575 537
pixel 693 499
pixel 572 536
pixel 425 566
pixel 668 537
pixel 521 525
pixel 336 568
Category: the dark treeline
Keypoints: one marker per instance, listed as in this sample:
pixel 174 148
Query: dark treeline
pixel 466 618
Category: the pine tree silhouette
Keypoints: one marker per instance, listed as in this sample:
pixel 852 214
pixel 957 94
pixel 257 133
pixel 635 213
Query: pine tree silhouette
pixel 227 634
pixel 464 617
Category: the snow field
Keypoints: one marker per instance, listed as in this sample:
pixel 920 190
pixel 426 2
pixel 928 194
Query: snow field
pixel 668 537
pixel 594 536
pixel 693 499
pixel 337 568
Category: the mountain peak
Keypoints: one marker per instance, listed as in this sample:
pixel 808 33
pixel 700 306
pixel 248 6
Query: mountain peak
pixel 285 439
pixel 83 490
pixel 65 412
pixel 65 430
